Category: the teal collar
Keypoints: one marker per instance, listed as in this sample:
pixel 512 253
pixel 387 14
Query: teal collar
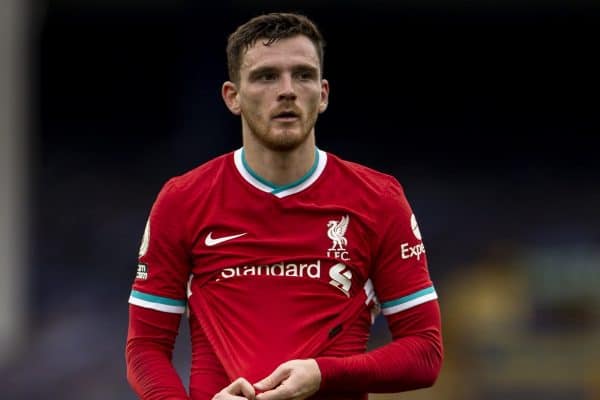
pixel 280 190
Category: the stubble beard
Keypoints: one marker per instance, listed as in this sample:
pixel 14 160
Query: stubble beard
pixel 284 140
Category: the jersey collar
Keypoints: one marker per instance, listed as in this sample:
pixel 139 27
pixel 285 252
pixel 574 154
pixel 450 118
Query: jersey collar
pixel 285 190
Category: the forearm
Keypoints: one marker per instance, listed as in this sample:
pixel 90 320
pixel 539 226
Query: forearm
pixel 149 349
pixel 152 376
pixel 411 361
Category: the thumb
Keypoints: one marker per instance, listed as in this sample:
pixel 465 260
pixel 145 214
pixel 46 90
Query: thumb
pixel 273 380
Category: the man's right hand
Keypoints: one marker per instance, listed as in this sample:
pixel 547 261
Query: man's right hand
pixel 238 389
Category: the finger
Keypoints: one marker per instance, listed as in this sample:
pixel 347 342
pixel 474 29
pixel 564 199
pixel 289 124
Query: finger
pixel 241 386
pixel 274 379
pixel 281 392
pixel 248 390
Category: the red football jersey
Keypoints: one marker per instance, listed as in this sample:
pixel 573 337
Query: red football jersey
pixel 273 273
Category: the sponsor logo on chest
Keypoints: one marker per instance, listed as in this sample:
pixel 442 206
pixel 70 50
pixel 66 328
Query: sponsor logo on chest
pixel 340 276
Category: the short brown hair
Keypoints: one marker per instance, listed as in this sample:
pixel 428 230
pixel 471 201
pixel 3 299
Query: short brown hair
pixel 271 27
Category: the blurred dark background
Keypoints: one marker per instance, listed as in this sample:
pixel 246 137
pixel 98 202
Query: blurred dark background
pixel 487 112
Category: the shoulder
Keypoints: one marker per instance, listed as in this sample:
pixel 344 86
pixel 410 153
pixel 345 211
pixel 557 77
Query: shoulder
pixel 373 181
pixel 198 179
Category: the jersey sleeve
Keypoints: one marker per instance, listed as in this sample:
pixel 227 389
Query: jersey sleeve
pixel 400 274
pixel 413 358
pixel 148 352
pixel 163 262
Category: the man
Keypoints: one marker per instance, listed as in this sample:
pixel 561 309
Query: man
pixel 281 252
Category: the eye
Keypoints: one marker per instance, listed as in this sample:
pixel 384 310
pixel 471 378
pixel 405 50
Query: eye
pixel 267 76
pixel 305 75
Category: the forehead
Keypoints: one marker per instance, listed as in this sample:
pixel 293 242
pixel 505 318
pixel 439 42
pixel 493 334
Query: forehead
pixel 284 52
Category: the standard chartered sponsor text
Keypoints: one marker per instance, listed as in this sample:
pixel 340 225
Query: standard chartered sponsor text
pixel 310 270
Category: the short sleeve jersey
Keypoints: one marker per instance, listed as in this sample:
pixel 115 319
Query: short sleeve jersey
pixel 273 273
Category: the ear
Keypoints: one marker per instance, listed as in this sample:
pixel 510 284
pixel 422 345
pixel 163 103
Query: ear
pixel 230 97
pixel 324 95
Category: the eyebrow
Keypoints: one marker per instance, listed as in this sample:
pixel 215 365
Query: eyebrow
pixel 306 68
pixel 271 69
pixel 261 70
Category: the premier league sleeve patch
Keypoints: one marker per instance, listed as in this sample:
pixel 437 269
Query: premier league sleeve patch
pixel 142 272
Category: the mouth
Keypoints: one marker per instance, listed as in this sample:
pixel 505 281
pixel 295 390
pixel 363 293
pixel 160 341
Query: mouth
pixel 286 116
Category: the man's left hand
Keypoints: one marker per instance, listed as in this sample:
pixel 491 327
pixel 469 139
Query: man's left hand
pixel 292 380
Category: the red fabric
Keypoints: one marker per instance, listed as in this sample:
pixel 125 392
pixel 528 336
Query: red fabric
pixel 208 376
pixel 149 350
pixel 411 361
pixel 286 288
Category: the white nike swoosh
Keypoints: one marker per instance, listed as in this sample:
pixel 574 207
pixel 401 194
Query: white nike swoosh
pixel 210 241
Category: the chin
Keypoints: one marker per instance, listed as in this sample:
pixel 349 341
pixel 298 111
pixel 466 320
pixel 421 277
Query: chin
pixel 283 146
pixel 284 142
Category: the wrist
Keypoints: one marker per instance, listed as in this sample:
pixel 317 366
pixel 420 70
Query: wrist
pixel 329 368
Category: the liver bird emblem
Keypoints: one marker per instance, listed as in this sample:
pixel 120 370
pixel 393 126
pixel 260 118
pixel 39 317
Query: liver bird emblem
pixel 336 232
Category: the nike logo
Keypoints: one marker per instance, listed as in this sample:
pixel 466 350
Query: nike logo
pixel 210 241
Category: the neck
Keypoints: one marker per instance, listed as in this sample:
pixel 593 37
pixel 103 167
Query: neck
pixel 281 167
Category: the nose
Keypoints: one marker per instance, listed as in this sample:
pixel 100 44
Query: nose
pixel 286 88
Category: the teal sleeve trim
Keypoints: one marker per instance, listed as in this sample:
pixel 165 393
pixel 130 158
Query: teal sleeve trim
pixel 408 298
pixel 157 299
